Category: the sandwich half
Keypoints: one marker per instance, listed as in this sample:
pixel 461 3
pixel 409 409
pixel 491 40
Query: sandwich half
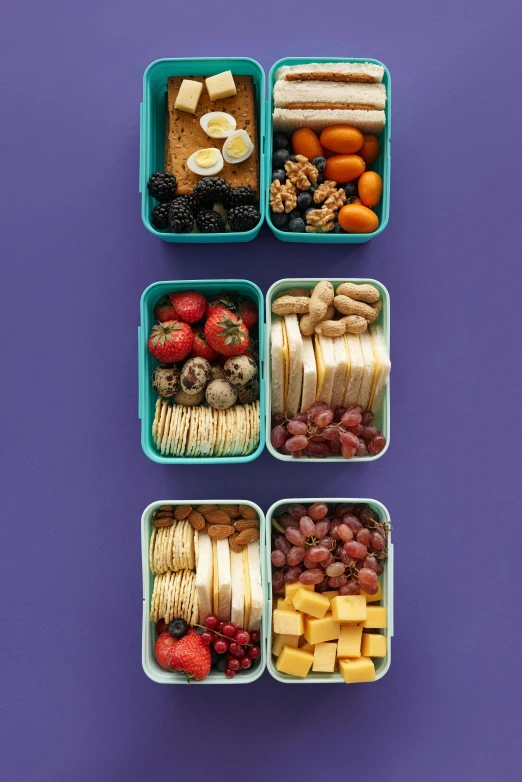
pixel 382 368
pixel 332 95
pixel 289 120
pixel 295 364
pixel 362 72
pixel 309 374
pixel 277 365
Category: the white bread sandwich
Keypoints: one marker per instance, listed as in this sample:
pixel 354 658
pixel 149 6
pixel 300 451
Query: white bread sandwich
pixel 382 368
pixel 341 370
pixel 204 576
pixel 222 579
pixel 289 120
pixel 353 385
pixel 256 588
pixel 277 365
pixel 362 72
pixel 326 367
pixel 237 612
pixel 309 374
pixel 369 370
pixel 334 95
pixel 294 364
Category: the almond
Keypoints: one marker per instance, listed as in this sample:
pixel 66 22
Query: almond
pixel 181 512
pixel 232 542
pixel 166 508
pixel 247 536
pixel 232 510
pixel 220 531
pixel 196 520
pixel 164 515
pixel 205 508
pixel 247 512
pixel 242 524
pixel 217 517
pixel 167 522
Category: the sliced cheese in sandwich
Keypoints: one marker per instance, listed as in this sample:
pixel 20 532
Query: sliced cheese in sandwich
pixel 353 385
pixel 246 579
pixel 290 120
pixel 329 95
pixel 256 588
pixel 277 365
pixel 224 579
pixel 341 369
pixel 309 374
pixel 382 368
pixel 325 359
pixel 237 611
pixel 204 576
pixel 363 72
pixel 369 370
pixel 295 364
pixel 215 578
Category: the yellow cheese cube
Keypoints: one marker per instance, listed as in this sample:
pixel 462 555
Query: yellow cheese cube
pixel 324 657
pixel 376 617
pixel 330 594
pixel 349 644
pixel 221 86
pixel 291 589
pixel 373 645
pixel 349 608
pixel 373 598
pixel 188 96
pixel 319 630
pixel 296 662
pixel 283 605
pixel 303 644
pixel 360 670
pixel 283 640
pixel 288 622
pixel 311 603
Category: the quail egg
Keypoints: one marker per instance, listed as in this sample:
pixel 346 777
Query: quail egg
pixel 206 162
pixel 220 394
pixel 165 380
pixel 240 370
pixel 217 372
pixel 189 400
pixel 237 147
pixel 249 393
pixel 195 375
pixel 218 124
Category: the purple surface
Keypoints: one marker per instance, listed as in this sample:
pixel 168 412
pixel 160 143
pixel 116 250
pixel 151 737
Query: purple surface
pixel 75 703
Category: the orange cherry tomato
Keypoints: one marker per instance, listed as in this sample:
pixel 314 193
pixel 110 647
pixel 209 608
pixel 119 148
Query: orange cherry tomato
pixel 305 142
pixel 370 188
pixel 342 138
pixel 358 219
pixel 344 168
pixel 370 149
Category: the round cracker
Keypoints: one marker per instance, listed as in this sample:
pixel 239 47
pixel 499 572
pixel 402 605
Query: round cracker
pixel 166 430
pixel 155 421
pixel 173 429
pixel 170 545
pixel 161 422
pixel 152 541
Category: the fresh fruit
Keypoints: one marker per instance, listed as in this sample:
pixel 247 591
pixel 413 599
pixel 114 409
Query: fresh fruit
pixel 281 141
pixel 207 637
pixel 243 218
pixel 178 628
pixel 161 627
pixel 159 217
pixel 279 174
pixel 229 629
pixel 165 310
pixel 370 188
pixel 200 347
pixel 226 333
pixel 236 649
pixel 223 302
pixel 211 622
pixel 190 305
pixel 344 168
pixel 191 656
pixel 320 163
pixel 280 157
pixel 246 662
pixel 170 341
pixel 240 196
pixel 356 218
pixel 220 645
pixel 296 225
pixel 211 190
pixel 248 313
pixel 342 138
pixel 254 651
pixel 162 186
pixel 305 142
pixel 234 663
pixel 370 149
pixel 164 643
pixel 242 637
pixel 229 673
pixel 304 200
pixel 351 190
pixel 181 218
pixel 209 222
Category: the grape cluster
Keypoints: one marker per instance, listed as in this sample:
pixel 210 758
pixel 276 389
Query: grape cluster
pixel 322 432
pixel 343 547
pixel 233 647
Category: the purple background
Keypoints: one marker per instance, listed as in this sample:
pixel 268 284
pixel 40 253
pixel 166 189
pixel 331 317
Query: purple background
pixel 75 702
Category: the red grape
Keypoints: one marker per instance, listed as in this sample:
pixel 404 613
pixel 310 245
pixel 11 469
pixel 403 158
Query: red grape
pixel 327 543
pixel 345 507
pixel 229 629
pixel 352 521
pixel 371 589
pixel 338 414
pixel 317 554
pixel 295 536
pixel 207 637
pixel 292 575
pixel 278 558
pixel 335 447
pixel 277 419
pixel 307 526
pixel 322 528
pixel 286 520
pixel 296 427
pixel 346 559
pixel 323 586
pixel 348 452
pixel 314 576
pixel 335 569
pixel 246 662
pixel 378 541
pixel 328 561
pixel 367 418
pixel 303 417
pixel 316 408
pixel 349 588
pixel 331 433
pixel 323 418
pixel 356 430
pixel 349 439
pixel 296 443
pixel 278 436
pixel 337 581
pixel 369 432
pixel 229 673
pixel 364 536
pixel 318 511
pixel 344 532
pixel 351 418
pixel 297 511
pixel 281 543
pixel 295 556
pixel 319 450
pixel 370 562
pixel 376 445
pixel 367 576
pixel 368 516
pixel 380 568
pixel 334 529
pixel 354 549
pixel 278 581
pixel 308 563
pixel 362 448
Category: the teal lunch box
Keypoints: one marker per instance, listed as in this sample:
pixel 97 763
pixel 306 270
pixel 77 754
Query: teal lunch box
pixel 147 363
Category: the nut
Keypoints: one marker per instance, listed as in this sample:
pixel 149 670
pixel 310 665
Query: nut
pixel 217 517
pixel 349 306
pixel 364 292
pixel 354 324
pixel 302 173
pixel 181 512
pixel 206 508
pixel 289 305
pixel 168 521
pixel 165 509
pixel 247 512
pixel 320 221
pixel 322 297
pixel 232 510
pixel 242 524
pixel 377 306
pixel 220 531
pixel 335 200
pixel 164 514
pixel 196 520
pixel 307 326
pixel 283 198
pixel 295 292
pixel 232 542
pixel 331 328
pixel 247 536
pixel 324 191
pixel 330 312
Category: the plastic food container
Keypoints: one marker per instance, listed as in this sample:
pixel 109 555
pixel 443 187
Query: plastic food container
pixel 382 665
pixel 148 635
pixel 382 420
pixel 147 397
pixel 382 166
pixel 152 132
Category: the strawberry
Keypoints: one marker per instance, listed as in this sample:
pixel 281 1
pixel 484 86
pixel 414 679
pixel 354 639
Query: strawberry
pixel 171 341
pixel 164 644
pixel 200 346
pixel 249 314
pixel 191 656
pixel 190 305
pixel 222 302
pixel 226 333
pixel 164 310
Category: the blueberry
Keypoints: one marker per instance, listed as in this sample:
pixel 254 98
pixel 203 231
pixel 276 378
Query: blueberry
pixel 296 225
pixel 350 188
pixel 281 141
pixel 280 157
pixel 178 628
pixel 319 163
pixel 319 180
pixel 293 214
pixel 292 158
pixel 214 658
pixel 312 188
pixel 304 200
pixel 279 220
pixel 222 663
pixel 337 229
pixel 280 174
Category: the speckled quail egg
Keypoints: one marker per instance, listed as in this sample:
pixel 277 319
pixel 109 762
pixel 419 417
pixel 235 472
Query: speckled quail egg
pixel 217 372
pixel 189 400
pixel 166 380
pixel 206 162
pixel 220 394
pixel 240 370
pixel 218 124
pixel 195 375
pixel 237 147
pixel 249 393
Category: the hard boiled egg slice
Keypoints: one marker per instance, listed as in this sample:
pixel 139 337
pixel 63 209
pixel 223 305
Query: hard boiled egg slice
pixel 237 147
pixel 218 124
pixel 206 162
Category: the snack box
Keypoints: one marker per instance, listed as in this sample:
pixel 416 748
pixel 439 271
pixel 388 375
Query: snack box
pixel 148 636
pixel 153 130
pixel 147 397
pixel 383 420
pixel 382 665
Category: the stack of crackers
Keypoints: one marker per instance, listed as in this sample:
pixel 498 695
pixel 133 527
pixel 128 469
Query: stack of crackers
pixel 172 557
pixel 204 431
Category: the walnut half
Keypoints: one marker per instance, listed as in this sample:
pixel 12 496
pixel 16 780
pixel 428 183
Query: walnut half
pixel 320 220
pixel 324 191
pixel 283 198
pixel 302 173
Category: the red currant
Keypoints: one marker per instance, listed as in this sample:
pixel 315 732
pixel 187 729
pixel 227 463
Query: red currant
pixel 207 637
pixel 211 622
pixel 220 627
pixel 221 646
pixel 246 662
pixel 254 652
pixel 229 673
pixel 236 649
pixel 229 629
pixel 255 637
pixel 242 637
pixel 234 664
pixel 161 627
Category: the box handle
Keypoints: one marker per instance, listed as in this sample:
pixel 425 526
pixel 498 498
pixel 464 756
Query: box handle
pixel 141 370
pixel 141 173
pixel 390 596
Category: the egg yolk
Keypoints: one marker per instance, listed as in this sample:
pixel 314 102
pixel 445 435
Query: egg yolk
pixel 218 125
pixel 237 146
pixel 206 158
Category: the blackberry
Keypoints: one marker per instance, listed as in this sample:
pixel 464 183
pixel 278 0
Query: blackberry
pixel 243 218
pixel 189 201
pixel 240 196
pixel 279 220
pixel 181 219
pixel 209 222
pixel 210 190
pixel 162 186
pixel 159 217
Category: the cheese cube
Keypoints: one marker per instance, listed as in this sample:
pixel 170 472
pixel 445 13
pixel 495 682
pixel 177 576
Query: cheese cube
pixel 188 96
pixel 288 622
pixel 283 605
pixel 291 589
pixel 319 630
pixel 349 608
pixel 221 85
pixel 349 644
pixel 283 640
pixel 361 670
pixel 303 644
pixel 311 603
pixel 373 645
pixel 373 598
pixel 330 594
pixel 324 657
pixel 376 617
pixel 296 662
